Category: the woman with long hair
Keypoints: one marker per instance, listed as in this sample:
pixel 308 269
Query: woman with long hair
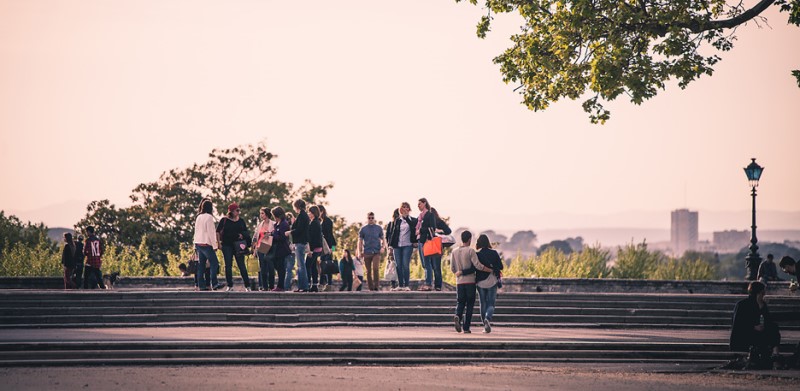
pixel 282 254
pixel 429 225
pixel 315 244
pixel 266 273
pixel 231 229
pixel 487 281
pixel 327 233
pixel 68 260
pixel 347 268
pixel 206 243
pixel 424 212
pixel 402 238
pixel 299 234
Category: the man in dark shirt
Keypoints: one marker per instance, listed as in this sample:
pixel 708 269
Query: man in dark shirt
pixel 93 249
pixel 789 266
pixel 79 280
pixel 768 271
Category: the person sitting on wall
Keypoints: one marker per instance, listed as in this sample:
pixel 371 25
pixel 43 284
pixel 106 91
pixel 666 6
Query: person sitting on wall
pixel 768 271
pixel 789 266
pixel 753 329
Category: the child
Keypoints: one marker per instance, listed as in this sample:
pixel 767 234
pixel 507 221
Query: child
pixel 359 272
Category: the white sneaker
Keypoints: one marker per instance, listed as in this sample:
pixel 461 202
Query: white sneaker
pixel 229 289
pixel 487 327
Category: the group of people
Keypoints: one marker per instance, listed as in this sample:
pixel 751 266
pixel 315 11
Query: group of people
pixel 282 241
pixel 78 274
pixel 304 242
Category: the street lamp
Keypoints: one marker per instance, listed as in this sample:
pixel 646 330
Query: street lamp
pixel 753 260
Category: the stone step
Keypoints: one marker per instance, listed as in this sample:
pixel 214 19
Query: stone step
pixel 403 352
pixel 354 318
pixel 269 310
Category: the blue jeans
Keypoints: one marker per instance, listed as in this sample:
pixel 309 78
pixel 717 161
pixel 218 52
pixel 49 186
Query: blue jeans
pixel 300 259
pixel 207 253
pixel 488 297
pixel 426 264
pixel 287 284
pixel 402 259
pixel 228 255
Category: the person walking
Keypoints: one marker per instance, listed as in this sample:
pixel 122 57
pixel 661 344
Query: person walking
pixel 487 281
pixel 263 236
pixel 282 253
pixel 206 244
pixel 402 240
pixel 299 235
pixel 315 244
pixel 370 246
pixel 68 260
pixel 327 233
pixel 429 225
pixel 93 249
pixel 462 259
pixel 232 230
pixel 346 270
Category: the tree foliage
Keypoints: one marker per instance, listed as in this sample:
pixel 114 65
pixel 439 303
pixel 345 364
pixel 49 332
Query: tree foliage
pixel 605 48
pixel 163 211
pixel 13 232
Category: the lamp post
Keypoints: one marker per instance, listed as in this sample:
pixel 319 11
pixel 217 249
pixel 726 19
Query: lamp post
pixel 753 260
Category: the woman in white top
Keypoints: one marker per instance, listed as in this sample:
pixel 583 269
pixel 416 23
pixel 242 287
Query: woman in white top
pixel 206 244
pixel 266 273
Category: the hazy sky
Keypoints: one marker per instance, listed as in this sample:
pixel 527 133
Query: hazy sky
pixel 391 101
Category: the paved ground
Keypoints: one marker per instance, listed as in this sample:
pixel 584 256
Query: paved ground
pixel 371 378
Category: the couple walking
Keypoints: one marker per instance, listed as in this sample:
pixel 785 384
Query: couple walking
pixel 475 270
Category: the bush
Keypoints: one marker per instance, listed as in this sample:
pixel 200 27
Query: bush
pixel 634 261
pixel 675 269
pixel 23 260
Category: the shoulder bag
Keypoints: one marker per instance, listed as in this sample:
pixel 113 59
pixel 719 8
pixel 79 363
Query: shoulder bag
pixel 433 246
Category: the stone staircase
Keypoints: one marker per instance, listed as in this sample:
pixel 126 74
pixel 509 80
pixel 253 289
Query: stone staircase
pixel 682 313
pixel 23 309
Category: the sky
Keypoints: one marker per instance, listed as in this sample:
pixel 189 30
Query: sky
pixel 390 101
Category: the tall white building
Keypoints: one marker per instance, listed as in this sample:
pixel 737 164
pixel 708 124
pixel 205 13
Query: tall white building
pixel 684 233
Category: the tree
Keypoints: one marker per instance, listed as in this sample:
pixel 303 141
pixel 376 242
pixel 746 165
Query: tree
pixel 559 245
pixel 163 212
pixel 607 48
pixel 521 241
pixel 13 232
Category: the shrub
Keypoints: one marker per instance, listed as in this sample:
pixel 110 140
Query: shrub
pixel 634 261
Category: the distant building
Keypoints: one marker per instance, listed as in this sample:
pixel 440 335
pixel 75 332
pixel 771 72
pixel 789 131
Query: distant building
pixel 731 241
pixel 684 233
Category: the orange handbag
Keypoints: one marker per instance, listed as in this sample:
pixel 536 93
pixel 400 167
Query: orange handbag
pixel 432 247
